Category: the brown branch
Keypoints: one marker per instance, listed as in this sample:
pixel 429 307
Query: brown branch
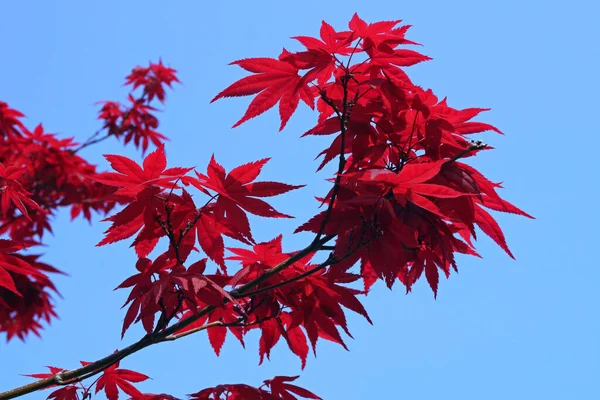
pixel 332 260
pixel 291 280
pixel 343 117
pixel 92 141
pixel 76 375
pixel 239 322
pixel 198 329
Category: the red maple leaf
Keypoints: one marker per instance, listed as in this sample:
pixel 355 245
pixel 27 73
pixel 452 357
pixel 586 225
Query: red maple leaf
pixel 53 371
pixel 320 56
pixel 131 178
pixel 282 389
pixel 410 184
pixel 11 191
pixel 10 124
pixel 152 78
pixel 377 33
pixel 238 190
pixel 237 194
pixel 113 379
pixel 267 254
pixel 10 262
pixel 142 187
pixel 65 393
pixel 275 81
pixel 279 387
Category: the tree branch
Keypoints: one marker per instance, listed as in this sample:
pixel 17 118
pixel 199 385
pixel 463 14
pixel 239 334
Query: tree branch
pixel 92 140
pixel 198 329
pixel 343 117
pixel 330 261
pixel 169 334
pixel 76 375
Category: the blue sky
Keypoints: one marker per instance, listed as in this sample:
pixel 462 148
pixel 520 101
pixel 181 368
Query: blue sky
pixel 525 329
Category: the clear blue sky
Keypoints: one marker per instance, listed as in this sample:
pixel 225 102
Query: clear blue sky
pixel 501 329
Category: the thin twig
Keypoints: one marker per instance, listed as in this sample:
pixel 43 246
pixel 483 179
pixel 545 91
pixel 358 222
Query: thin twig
pixel 198 329
pixel 91 142
pixel 474 145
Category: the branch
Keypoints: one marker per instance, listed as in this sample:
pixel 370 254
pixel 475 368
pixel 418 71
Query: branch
pixel 239 322
pixel 76 375
pixel 92 140
pixel 291 280
pixel 343 117
pixel 332 260
pixel 198 329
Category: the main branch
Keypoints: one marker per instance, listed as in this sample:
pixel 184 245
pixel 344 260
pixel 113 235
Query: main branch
pixel 76 375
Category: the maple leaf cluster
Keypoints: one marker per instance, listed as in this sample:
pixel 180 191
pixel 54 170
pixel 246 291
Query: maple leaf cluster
pixel 399 178
pixel 136 120
pixel 40 174
pixel 403 203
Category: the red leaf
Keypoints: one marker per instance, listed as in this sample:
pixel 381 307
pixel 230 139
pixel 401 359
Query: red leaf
pixel 432 275
pixel 132 179
pixel 237 194
pixel 210 239
pixel 53 371
pixel 491 228
pixel 298 344
pixel 277 81
pixel 245 173
pixel 6 281
pixel 113 378
pixel 65 393
pixel 270 334
pixel 216 336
